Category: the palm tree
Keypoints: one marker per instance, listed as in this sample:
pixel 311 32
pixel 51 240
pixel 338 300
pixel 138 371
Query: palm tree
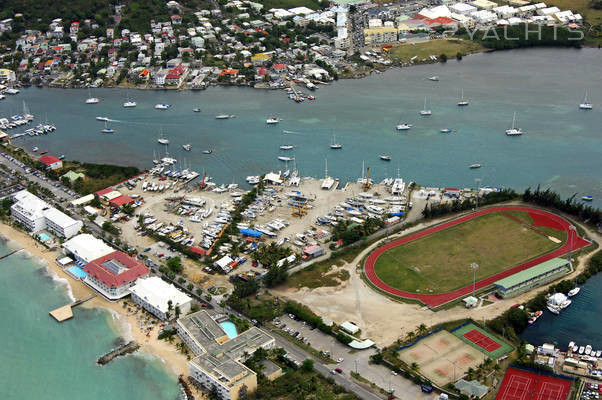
pixel 422 329
pixel 414 366
pixel 410 335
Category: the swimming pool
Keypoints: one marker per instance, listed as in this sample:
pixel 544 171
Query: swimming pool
pixel 76 272
pixel 230 329
pixel 44 237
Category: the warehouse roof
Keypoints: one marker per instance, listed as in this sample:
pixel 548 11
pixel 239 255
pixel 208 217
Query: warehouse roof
pixel 531 273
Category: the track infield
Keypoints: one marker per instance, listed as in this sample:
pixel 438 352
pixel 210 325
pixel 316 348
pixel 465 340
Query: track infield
pixel 543 221
pixel 519 384
pixel 486 342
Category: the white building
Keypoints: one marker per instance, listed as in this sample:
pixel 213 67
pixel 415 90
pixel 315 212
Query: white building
pixel 37 215
pixel 85 248
pixel 154 295
pixel 462 8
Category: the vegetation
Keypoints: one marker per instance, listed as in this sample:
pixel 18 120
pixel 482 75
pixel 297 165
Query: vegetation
pixel 109 227
pixel 440 262
pixel 351 232
pixel 305 314
pixel 319 274
pixel 261 308
pixel 450 48
pixel 524 35
pixel 549 198
pixel 434 211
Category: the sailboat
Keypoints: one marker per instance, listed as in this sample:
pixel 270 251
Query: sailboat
pixel 187 146
pixel 107 129
pixel 90 99
pixel 403 126
pixel 162 139
pixel 284 146
pixel 424 111
pixel 462 102
pixel 586 105
pixel 514 131
pixel 334 145
pixel 129 103
pixel 155 159
pixel 328 182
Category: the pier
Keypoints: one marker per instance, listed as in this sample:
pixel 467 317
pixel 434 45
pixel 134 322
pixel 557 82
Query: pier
pixel 10 254
pixel 122 350
pixel 65 312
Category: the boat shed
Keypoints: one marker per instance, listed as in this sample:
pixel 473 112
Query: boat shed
pixel 531 278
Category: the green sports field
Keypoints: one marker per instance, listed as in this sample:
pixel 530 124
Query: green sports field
pixel 504 348
pixel 440 262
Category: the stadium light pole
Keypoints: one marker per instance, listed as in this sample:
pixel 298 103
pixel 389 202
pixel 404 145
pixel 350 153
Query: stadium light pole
pixel 474 267
pixel 572 231
pixel 478 181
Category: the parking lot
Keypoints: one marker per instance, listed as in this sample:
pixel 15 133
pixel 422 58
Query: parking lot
pixel 591 391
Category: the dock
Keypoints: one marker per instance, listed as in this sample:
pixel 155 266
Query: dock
pixel 11 253
pixel 65 312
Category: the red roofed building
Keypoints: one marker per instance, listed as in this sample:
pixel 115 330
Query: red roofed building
pixel 102 192
pixel 175 75
pixel 176 19
pixel 197 250
pixel 440 21
pixel 51 162
pixel 121 200
pixel 112 275
pixel 279 67
pixel 233 73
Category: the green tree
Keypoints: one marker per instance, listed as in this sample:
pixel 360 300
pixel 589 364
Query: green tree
pixel 307 365
pixel 175 265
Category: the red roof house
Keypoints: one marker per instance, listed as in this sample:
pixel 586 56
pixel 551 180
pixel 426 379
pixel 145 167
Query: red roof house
pixel 121 200
pixel 112 275
pixel 51 162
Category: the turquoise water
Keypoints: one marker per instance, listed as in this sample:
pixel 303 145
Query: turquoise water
pixel 561 146
pixel 77 271
pixel 230 329
pixel 41 359
pixel 44 237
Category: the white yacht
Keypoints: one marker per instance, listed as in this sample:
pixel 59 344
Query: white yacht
pixel 187 147
pixel 272 121
pixel 424 111
pixel 162 106
pixel 462 102
pixel 334 145
pixel 107 129
pixel 285 158
pixel 385 158
pixel 514 131
pixel 102 118
pixel 90 99
pixel 403 126
pixel 222 116
pixel 474 166
pixel 286 147
pixel 434 78
pixel 586 105
pixel 574 291
pixel 445 130
pixel 129 104
pixel 162 139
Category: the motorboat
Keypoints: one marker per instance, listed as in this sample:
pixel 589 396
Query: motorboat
pixel 553 309
pixel 62 157
pixel 385 158
pixel 424 111
pixel 445 130
pixel 272 121
pixel 35 149
pixel 102 118
pixel 403 127
pixel 474 166
pixel 207 151
pixel 287 147
pixel 534 316
pixel 462 102
pixel 187 147
pixel 574 291
pixel 197 110
pixel 129 104
pixel 581 349
pixel 586 105
pixel 222 116
pixel 92 100
pixel 434 78
pixel 334 145
pixel 514 131
pixel 588 350
pixel 587 198
pixel 161 106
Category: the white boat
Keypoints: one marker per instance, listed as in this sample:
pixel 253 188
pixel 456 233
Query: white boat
pixel 35 149
pixel 462 102
pixel 334 145
pixel 286 147
pixel 102 118
pixel 574 291
pixel 403 126
pixel 187 147
pixel 514 131
pixel 272 121
pixel 222 116
pixel 553 309
pixel 284 158
pixel 90 99
pixel 434 78
pixel 445 130
pixel 129 104
pixel 107 129
pixel 385 158
pixel 598 353
pixel 424 111
pixel 162 106
pixel 587 198
pixel 588 350
pixel 207 151
pixel 474 166
pixel 581 349
pixel 575 349
pixel 586 105
pixel 196 110
pixel 162 139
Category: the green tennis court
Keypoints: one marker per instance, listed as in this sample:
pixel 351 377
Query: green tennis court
pixel 486 342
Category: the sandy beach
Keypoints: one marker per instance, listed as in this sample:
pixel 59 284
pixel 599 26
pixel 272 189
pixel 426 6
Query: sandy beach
pixel 129 322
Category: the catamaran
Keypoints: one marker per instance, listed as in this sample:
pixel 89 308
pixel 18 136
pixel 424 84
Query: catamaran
pixel 514 131
pixel 187 147
pixel 129 103
pixel 162 106
pixel 586 105
pixel 462 102
pixel 272 121
pixel 90 99
pixel 107 129
pixel 424 111
pixel 334 145
pixel 162 139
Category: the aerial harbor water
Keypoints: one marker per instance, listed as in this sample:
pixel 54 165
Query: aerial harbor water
pixel 46 360
pixel 561 146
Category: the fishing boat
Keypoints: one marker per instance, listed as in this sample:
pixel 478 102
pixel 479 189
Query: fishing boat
pixel 574 291
pixel 197 110
pixel 102 118
pixel 403 126
pixel 107 129
pixel 424 111
pixel 334 145
pixel 90 99
pixel 445 130
pixel 207 151
pixel 587 198
pixel 385 158
pixel 586 105
pixel 462 102
pixel 272 121
pixel 434 78
pixel 187 147
pixel 514 131
pixel 474 166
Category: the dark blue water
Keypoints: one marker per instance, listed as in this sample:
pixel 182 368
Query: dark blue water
pixel 580 322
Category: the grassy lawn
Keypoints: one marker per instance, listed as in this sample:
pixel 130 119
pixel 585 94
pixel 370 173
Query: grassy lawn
pixel 318 275
pixel 525 218
pixel 423 50
pixel 440 262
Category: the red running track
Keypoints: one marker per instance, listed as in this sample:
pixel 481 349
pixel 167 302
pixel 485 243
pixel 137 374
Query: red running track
pixel 541 217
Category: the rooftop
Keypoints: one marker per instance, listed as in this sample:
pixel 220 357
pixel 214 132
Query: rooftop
pixel 157 292
pixel 116 269
pixel 531 273
pixel 87 247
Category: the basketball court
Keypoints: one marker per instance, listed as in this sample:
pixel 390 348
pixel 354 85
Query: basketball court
pixel 442 357
pixel 520 384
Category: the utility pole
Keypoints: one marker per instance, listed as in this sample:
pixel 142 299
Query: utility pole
pixel 474 267
pixel 478 181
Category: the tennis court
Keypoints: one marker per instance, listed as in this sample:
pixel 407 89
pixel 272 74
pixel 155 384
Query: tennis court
pixel 520 384
pixel 486 342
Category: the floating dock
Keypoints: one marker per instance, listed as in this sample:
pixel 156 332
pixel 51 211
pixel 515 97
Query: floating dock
pixel 65 312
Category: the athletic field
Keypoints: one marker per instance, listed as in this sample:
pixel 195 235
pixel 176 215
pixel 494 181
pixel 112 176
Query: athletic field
pixel 485 342
pixel 442 357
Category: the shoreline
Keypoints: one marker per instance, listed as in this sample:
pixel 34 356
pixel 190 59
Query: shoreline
pixel 124 324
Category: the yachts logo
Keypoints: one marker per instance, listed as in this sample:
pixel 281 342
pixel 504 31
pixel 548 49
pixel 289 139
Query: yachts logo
pixel 522 32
